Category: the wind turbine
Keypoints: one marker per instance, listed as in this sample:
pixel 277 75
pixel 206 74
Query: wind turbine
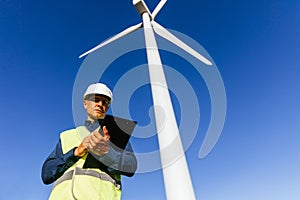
pixel 177 181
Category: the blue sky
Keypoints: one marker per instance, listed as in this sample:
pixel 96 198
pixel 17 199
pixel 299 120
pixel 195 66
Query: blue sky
pixel 255 44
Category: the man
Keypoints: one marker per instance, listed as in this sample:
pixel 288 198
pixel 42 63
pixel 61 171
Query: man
pixel 85 164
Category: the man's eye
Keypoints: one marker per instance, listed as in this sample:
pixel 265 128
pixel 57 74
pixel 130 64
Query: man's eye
pixel 104 102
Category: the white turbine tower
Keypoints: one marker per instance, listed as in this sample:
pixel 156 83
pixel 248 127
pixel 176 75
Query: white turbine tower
pixel 177 181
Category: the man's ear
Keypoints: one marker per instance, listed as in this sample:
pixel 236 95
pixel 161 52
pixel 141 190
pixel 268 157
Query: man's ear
pixel 85 103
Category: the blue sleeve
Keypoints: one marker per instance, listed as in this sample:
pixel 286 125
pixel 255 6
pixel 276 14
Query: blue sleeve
pixel 120 161
pixel 57 163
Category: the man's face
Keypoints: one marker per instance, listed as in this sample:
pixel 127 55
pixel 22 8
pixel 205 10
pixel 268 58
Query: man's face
pixel 96 106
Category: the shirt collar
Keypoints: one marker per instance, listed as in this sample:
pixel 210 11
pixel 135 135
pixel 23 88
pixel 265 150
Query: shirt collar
pixel 91 126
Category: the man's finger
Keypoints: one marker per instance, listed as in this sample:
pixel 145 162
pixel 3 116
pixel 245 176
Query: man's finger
pixel 97 134
pixel 105 131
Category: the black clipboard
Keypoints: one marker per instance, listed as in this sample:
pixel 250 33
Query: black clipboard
pixel 120 130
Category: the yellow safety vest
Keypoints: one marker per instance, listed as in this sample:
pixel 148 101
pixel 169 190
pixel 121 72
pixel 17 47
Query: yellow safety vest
pixel 83 184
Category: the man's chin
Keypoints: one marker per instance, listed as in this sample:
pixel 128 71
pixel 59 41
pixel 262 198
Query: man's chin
pixel 100 116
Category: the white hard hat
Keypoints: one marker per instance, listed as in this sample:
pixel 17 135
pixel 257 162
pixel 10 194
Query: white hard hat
pixel 99 88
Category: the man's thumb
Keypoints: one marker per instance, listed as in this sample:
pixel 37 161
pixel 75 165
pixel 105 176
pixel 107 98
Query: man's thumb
pixel 105 132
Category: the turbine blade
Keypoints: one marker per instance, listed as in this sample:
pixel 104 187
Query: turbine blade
pixel 158 8
pixel 172 38
pixel 119 35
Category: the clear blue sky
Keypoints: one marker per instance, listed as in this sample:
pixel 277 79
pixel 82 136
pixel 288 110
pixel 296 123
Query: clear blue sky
pixel 255 44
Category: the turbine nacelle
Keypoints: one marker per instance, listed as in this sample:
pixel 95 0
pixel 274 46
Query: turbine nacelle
pixel 141 7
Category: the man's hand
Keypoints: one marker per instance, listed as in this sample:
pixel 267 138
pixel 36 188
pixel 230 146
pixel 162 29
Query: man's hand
pixel 81 150
pixel 98 144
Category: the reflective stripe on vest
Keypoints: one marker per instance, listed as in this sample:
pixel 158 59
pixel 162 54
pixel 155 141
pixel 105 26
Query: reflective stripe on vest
pixel 86 172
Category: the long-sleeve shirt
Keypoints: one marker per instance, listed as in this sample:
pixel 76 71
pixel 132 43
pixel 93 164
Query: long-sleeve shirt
pixel 115 161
